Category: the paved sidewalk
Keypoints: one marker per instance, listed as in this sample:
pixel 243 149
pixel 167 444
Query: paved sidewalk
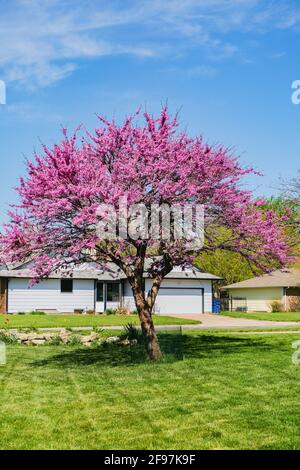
pixel 210 321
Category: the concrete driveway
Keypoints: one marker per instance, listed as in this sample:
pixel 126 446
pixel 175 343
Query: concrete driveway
pixel 219 321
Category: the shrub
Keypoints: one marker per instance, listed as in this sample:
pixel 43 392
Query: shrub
pixel 276 306
pixel 294 304
pixel 90 312
pixel 111 311
pixel 37 312
pixel 8 338
pixel 99 330
pixel 74 340
pixel 55 341
pixel 131 332
pixel 122 311
pixel 21 313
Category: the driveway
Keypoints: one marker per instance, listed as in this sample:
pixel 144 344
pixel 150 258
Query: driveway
pixel 209 320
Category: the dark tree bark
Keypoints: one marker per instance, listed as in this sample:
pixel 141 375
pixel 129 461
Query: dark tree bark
pixel 147 325
pixel 145 304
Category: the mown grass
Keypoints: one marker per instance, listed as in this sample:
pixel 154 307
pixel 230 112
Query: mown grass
pixel 228 392
pixel 280 316
pixel 48 321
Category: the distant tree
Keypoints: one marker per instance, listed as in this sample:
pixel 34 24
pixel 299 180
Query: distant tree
pixel 232 267
pixel 56 221
pixel 291 188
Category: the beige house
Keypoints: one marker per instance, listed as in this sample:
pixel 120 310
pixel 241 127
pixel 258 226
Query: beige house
pixel 258 294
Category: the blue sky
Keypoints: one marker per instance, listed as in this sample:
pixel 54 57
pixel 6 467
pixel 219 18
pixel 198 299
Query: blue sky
pixel 227 65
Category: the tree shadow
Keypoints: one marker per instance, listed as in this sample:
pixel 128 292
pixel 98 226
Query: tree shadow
pixel 175 347
pixel 213 345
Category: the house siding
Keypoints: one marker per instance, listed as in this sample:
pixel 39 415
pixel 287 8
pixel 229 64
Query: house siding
pixel 201 302
pixel 47 296
pixel 184 296
pixel 259 299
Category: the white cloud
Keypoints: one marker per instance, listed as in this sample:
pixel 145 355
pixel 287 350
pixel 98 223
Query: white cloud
pixel 43 41
pixel 201 71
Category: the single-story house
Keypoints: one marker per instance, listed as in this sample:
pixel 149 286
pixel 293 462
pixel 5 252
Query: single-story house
pixel 90 289
pixel 258 294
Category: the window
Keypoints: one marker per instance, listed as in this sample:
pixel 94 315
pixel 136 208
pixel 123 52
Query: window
pixel 99 291
pixel 113 293
pixel 66 286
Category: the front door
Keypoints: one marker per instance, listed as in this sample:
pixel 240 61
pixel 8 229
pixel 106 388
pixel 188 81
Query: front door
pixel 108 295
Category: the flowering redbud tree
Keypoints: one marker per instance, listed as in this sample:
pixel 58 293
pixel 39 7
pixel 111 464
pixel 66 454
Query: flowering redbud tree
pixel 153 163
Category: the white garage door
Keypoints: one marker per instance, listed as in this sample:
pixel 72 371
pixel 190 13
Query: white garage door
pixel 179 300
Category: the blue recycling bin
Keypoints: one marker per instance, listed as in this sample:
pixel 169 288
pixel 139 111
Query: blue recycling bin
pixel 216 306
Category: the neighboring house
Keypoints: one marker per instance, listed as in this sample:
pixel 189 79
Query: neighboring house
pixel 257 294
pixel 88 288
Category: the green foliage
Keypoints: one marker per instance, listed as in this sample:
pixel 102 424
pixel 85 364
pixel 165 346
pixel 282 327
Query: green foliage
pixel 37 312
pixel 289 208
pixel 74 340
pixel 8 338
pixel 131 332
pixel 55 341
pixel 111 311
pixel 99 330
pixel 231 267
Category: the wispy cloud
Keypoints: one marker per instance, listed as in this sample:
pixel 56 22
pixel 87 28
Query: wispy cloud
pixel 43 41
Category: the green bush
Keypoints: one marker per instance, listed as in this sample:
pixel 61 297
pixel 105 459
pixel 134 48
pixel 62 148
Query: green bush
pixel 131 332
pixel 111 311
pixel 21 313
pixel 74 340
pixel 37 312
pixel 55 341
pixel 8 338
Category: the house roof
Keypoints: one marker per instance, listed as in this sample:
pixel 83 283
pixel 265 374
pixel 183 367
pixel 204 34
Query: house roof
pixel 92 271
pixel 280 278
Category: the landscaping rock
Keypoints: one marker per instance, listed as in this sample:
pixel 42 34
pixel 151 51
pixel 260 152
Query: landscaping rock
pixel 64 335
pixel 37 342
pixel 112 339
pixel 22 337
pixel 39 338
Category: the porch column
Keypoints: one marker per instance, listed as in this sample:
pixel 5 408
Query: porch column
pixel 104 296
pixel 121 292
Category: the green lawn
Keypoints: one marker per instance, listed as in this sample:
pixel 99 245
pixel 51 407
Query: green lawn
pixel 229 392
pixel 282 316
pixel 47 321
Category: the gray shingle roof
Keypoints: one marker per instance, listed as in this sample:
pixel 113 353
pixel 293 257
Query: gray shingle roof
pixel 280 278
pixel 90 271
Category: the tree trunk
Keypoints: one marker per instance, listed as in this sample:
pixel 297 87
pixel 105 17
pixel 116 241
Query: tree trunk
pixel 147 325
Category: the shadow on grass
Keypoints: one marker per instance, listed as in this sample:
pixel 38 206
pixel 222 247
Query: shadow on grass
pixel 174 348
